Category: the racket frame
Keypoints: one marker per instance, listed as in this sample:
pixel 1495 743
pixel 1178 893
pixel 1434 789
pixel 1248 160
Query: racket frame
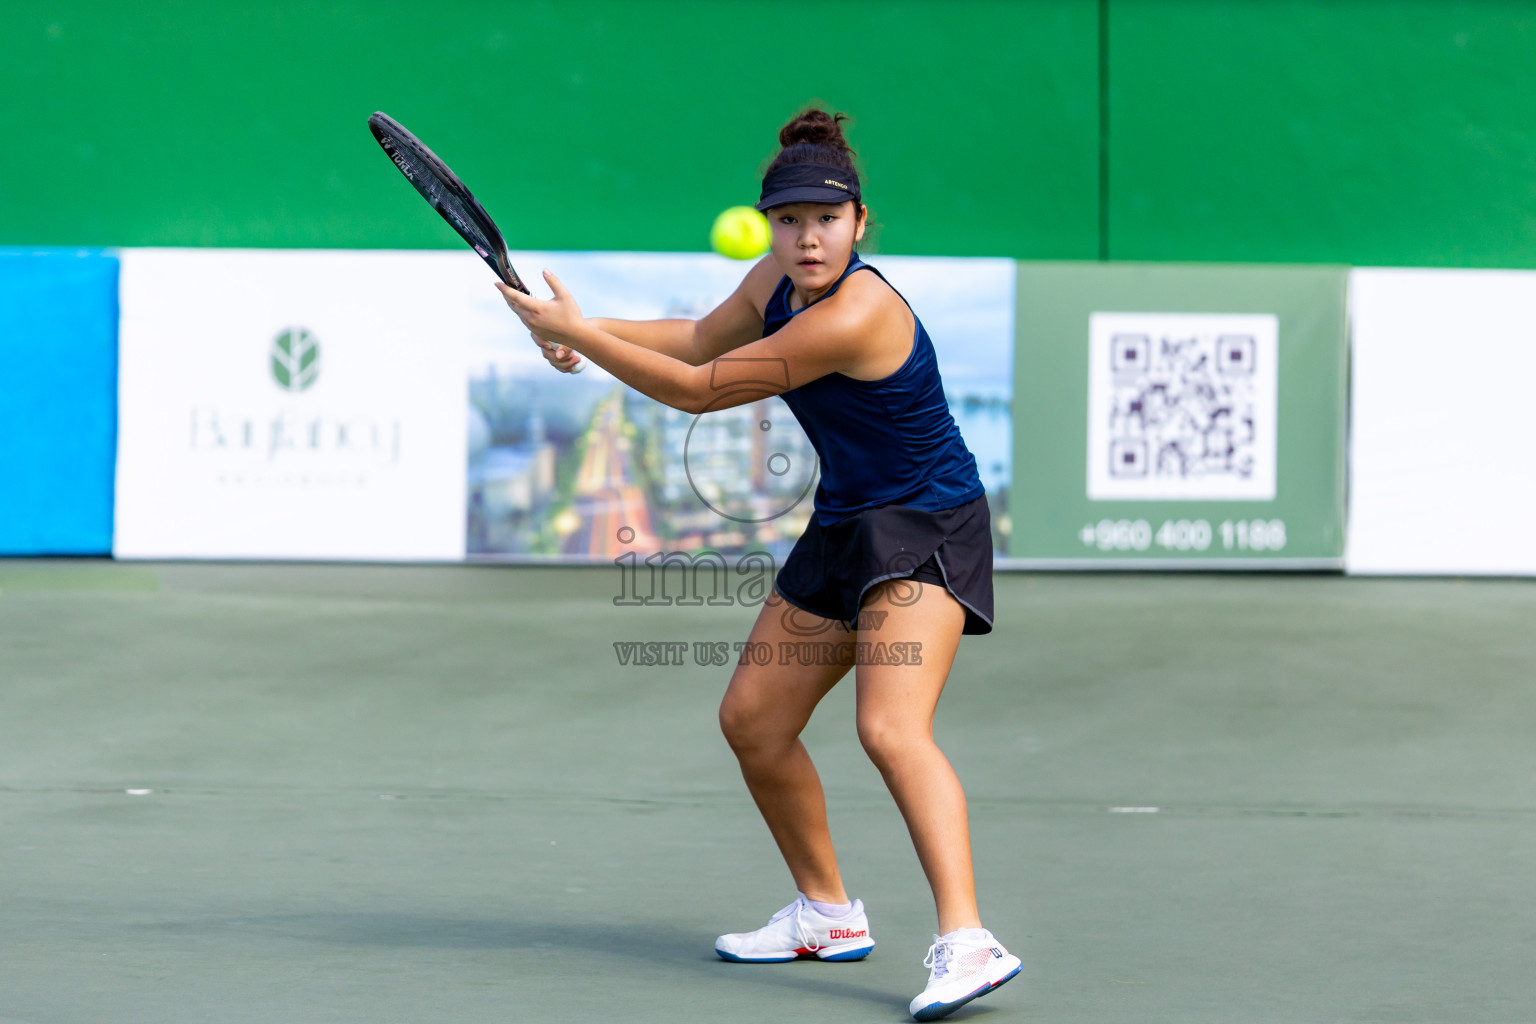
pixel 391 135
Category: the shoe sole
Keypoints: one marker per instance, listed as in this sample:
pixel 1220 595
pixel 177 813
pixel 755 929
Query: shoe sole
pixel 933 1011
pixel 833 954
pixel 842 954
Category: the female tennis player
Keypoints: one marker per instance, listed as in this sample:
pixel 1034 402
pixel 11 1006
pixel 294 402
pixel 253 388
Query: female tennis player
pixel 899 550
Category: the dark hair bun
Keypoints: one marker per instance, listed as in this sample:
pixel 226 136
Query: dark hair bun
pixel 817 127
pixel 815 136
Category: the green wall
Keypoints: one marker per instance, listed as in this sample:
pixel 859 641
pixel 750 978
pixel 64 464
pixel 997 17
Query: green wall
pixel 1348 131
pixel 1340 131
pixel 580 124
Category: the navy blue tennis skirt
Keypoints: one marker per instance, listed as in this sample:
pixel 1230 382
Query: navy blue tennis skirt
pixel 831 568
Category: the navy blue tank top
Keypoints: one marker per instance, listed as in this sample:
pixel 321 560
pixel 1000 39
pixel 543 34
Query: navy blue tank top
pixel 890 441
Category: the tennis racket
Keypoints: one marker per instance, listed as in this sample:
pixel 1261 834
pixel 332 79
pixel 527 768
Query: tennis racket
pixel 442 188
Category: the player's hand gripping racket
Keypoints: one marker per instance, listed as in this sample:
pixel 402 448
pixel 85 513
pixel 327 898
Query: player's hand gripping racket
pixel 442 188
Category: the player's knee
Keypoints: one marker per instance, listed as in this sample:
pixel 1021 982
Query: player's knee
pixel 741 723
pixel 884 739
pixel 755 727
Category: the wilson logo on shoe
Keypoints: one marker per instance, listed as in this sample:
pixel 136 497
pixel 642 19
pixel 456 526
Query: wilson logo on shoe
pixel 847 933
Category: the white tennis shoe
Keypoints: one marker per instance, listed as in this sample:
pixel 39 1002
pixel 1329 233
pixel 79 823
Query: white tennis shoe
pixel 799 930
pixel 966 963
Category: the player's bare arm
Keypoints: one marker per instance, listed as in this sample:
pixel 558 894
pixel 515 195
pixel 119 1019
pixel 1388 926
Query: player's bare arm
pixel 851 333
pixel 735 322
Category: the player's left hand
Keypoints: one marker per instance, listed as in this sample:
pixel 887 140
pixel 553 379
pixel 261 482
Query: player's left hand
pixel 561 358
pixel 555 319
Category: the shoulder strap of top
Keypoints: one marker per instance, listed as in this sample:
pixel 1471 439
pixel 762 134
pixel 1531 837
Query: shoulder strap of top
pixel 861 265
pixel 855 262
pixel 780 296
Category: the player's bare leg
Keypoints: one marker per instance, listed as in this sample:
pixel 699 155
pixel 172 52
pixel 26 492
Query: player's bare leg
pixel 895 714
pixel 762 714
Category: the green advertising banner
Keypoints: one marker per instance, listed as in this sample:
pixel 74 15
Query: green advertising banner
pixel 1178 416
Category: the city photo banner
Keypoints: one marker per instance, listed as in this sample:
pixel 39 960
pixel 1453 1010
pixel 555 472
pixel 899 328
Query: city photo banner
pixel 581 468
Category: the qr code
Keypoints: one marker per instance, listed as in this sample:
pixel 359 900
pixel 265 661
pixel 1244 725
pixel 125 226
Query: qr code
pixel 1182 406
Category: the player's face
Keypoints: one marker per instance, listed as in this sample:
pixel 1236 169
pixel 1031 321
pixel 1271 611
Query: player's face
pixel 813 241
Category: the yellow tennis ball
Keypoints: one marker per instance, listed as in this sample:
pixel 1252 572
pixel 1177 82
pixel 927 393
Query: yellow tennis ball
pixel 740 233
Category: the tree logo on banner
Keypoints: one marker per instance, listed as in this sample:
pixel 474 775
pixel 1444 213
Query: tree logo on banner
pixel 295 359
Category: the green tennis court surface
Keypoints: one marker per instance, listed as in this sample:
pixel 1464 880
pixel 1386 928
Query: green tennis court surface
pixel 433 794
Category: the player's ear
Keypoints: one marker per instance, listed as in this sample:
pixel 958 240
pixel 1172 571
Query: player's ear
pixel 858 231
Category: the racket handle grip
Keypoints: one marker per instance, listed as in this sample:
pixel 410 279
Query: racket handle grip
pixel 513 281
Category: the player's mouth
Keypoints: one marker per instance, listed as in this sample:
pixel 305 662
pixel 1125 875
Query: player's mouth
pixel 808 262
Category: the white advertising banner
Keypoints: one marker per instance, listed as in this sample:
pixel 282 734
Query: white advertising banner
pixel 1442 468
pixel 296 404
